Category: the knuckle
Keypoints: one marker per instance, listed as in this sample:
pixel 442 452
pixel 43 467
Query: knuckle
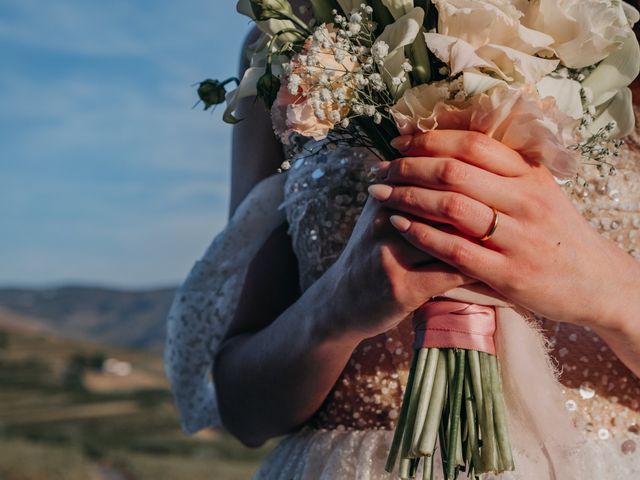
pixel 396 288
pixel 421 237
pixel 423 140
pixel 475 143
pixel 460 253
pixel 385 258
pixel 451 173
pixel 453 207
pixel 391 277
pixel 399 168
pixel 407 196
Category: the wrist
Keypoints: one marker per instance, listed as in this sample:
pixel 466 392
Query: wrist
pixel 332 322
pixel 618 311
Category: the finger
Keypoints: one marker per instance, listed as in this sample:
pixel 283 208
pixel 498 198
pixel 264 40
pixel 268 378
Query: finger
pixel 379 171
pixel 461 253
pixel 437 277
pixel 473 147
pixel 403 254
pixel 467 215
pixel 453 175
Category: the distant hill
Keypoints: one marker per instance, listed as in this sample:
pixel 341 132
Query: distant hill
pixel 64 414
pixel 130 318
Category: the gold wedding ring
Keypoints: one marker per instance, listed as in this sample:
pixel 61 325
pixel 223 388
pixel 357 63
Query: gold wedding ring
pixel 494 226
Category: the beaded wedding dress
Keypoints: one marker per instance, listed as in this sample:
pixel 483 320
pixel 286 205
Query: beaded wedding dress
pixel 320 197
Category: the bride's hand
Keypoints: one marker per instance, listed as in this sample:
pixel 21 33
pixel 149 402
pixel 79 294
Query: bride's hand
pixel 543 255
pixel 380 279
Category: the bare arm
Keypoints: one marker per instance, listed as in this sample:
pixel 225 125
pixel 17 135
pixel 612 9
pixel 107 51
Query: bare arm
pixel 285 351
pixel 283 356
pixel 272 375
pixel 256 153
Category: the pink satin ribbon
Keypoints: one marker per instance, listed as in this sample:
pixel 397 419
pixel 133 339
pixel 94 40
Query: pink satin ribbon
pixel 449 324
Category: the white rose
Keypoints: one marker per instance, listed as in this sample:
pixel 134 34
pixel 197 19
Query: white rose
pixel 487 36
pixel 497 22
pixel 584 31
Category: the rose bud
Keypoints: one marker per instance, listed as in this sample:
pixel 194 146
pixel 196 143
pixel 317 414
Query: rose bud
pixel 211 92
pixel 268 87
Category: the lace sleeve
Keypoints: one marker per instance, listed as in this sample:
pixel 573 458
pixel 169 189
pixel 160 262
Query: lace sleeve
pixel 205 304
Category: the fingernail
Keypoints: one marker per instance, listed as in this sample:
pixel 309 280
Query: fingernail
pixel 402 143
pixel 380 192
pixel 380 170
pixel 400 223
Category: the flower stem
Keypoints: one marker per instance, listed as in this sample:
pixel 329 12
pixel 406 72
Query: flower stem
pixel 427 468
pixel 413 403
pixel 405 468
pixel 489 449
pixel 402 419
pixel 476 379
pixel 379 140
pixel 455 444
pixel 500 417
pixel 429 435
pixel 424 398
pixel 472 429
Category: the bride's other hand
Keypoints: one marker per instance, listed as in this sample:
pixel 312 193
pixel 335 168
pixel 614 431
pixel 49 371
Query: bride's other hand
pixel 379 279
pixel 543 255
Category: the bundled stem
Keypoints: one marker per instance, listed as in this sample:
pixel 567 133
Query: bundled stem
pixel 453 398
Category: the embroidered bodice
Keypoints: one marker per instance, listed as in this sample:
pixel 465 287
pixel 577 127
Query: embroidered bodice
pixel 325 191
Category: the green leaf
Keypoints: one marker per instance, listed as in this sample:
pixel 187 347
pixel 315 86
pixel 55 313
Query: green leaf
pixel 271 9
pixel 419 55
pixel 322 9
pixel 615 72
pixel 398 8
pixel 397 36
pixel 618 110
pixel 381 14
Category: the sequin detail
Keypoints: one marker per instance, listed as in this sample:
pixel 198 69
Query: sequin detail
pixel 324 194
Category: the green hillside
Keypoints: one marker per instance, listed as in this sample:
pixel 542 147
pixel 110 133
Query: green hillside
pixel 131 318
pixel 62 416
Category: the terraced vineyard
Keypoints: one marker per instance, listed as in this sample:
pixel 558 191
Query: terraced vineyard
pixel 62 416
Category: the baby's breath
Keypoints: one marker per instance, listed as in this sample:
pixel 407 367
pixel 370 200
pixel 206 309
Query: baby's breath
pixel 351 86
pixel 599 149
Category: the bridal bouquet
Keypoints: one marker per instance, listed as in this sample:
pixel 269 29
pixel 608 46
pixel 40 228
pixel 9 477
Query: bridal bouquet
pixel 547 78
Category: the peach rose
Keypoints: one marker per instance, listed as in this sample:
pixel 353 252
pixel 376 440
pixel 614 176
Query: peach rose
pixel 519 118
pixel 306 103
pixel 294 114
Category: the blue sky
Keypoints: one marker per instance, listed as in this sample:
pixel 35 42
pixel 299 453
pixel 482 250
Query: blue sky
pixel 106 174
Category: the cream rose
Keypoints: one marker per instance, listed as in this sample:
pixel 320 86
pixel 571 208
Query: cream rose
pixel 584 32
pixel 519 118
pixel 488 36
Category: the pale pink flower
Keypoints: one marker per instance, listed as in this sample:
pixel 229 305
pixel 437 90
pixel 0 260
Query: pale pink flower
pixel 518 118
pixel 309 112
pixel 294 114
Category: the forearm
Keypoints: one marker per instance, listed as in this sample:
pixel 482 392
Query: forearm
pixel 272 381
pixel 620 327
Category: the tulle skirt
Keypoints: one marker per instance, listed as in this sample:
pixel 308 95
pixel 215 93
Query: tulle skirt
pixel 361 455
